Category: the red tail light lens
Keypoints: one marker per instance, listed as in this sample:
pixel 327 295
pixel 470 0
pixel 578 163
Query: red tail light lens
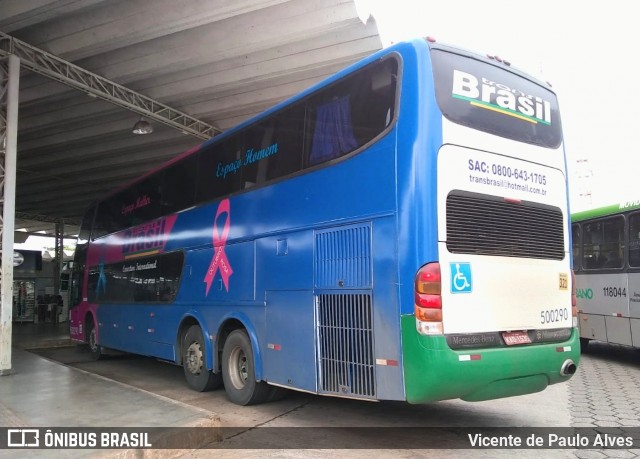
pixel 428 279
pixel 428 300
pixel 574 301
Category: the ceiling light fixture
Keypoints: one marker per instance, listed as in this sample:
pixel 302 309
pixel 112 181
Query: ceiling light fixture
pixel 142 127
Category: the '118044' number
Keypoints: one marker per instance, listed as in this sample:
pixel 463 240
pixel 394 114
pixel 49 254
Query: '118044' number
pixel 614 292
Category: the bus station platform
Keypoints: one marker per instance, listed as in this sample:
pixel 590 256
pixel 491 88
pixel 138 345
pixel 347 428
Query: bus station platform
pixel 41 393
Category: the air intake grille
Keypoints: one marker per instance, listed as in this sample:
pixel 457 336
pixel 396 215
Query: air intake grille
pixel 345 344
pixel 488 225
pixel 343 257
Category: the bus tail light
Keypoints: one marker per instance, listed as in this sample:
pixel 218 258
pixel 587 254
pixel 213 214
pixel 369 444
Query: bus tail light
pixel 428 300
pixel 574 301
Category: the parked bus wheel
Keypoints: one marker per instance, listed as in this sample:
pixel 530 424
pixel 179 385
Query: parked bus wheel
pixel 584 344
pixel 277 393
pixel 238 371
pixel 94 348
pixel 194 362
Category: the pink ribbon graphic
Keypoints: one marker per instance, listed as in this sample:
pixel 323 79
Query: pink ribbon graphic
pixel 220 260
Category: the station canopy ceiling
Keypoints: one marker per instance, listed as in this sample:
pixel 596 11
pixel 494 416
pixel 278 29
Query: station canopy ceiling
pixel 219 61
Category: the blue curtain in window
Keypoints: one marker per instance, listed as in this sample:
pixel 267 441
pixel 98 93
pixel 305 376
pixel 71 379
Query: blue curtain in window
pixel 333 134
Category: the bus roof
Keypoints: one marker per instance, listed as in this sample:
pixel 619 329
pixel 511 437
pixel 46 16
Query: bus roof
pixel 613 209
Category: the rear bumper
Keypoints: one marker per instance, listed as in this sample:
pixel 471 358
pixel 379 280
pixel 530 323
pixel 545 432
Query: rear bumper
pixel 433 371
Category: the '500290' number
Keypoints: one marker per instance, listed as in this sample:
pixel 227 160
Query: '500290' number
pixel 554 315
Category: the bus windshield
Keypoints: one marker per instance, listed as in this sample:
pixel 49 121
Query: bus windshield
pixel 483 96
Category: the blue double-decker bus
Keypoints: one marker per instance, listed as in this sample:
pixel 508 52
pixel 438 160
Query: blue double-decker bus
pixel 399 231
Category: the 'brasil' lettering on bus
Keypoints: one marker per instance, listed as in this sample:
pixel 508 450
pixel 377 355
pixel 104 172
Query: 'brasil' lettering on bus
pixel 492 95
pixel 146 238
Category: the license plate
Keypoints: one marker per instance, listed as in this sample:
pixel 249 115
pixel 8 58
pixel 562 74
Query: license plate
pixel 518 337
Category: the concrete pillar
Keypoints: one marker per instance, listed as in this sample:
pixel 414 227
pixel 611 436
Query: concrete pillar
pixel 9 139
pixel 59 256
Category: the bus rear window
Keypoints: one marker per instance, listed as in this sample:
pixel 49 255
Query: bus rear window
pixel 496 100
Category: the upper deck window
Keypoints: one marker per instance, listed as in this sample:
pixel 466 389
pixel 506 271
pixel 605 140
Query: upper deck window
pixel 331 123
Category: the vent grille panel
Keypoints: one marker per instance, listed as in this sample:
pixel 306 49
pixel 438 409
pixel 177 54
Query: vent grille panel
pixel 488 225
pixel 345 344
pixel 343 257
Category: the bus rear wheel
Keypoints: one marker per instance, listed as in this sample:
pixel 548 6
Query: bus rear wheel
pixel 584 344
pixel 194 362
pixel 238 371
pixel 91 337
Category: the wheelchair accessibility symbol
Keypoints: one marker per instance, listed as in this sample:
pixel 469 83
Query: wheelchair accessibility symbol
pixel 460 277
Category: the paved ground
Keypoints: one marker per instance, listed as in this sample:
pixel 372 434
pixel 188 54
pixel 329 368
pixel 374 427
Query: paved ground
pixel 300 410
pixel 605 393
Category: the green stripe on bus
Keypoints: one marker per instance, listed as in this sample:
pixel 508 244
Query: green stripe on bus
pixel 605 211
pixel 435 372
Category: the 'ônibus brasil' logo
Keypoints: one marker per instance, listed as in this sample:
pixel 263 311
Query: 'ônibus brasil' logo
pixel 500 98
pixel 220 260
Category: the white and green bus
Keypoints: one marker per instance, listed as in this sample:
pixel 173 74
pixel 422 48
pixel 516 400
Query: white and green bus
pixel 606 261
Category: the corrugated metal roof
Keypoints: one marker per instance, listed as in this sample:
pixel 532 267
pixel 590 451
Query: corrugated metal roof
pixel 220 61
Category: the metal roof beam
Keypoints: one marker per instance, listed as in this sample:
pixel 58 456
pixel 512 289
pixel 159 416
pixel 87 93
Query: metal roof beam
pixel 268 68
pixel 119 176
pixel 45 218
pixel 125 160
pixel 117 24
pixel 35 232
pixel 116 146
pixel 71 210
pixel 234 39
pixel 97 188
pixel 65 72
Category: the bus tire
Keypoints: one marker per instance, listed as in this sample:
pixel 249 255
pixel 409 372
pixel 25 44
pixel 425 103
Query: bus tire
pixel 277 393
pixel 584 344
pixel 238 371
pixel 95 350
pixel 194 362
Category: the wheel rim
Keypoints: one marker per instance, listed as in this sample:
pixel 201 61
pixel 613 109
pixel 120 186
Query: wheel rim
pixel 238 368
pixel 194 360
